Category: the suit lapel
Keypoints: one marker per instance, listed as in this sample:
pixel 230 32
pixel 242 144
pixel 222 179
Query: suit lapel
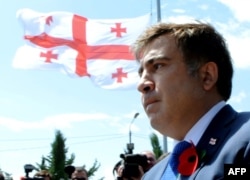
pixel 215 134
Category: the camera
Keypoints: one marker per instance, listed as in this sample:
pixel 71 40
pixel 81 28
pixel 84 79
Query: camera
pixel 131 163
pixel 29 168
pixel 69 170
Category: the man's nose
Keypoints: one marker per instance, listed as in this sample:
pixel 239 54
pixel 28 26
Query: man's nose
pixel 145 85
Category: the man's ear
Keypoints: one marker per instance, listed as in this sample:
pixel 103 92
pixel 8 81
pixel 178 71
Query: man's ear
pixel 209 75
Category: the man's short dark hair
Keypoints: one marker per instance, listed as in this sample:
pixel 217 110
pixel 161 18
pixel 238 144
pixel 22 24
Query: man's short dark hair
pixel 200 43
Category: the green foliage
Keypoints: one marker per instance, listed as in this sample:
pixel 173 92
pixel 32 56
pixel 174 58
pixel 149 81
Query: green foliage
pixel 156 145
pixel 70 161
pixel 93 169
pixel 58 157
pixel 43 165
pixel 57 160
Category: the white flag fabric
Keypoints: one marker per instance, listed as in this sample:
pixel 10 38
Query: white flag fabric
pixel 59 58
pixel 97 48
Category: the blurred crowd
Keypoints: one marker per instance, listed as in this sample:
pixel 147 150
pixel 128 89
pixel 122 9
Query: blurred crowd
pixel 129 167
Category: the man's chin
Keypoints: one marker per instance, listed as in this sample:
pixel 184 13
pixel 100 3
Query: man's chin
pixel 157 125
pixel 154 121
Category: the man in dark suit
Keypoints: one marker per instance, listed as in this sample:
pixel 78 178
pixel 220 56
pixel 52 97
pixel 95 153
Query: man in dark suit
pixel 185 81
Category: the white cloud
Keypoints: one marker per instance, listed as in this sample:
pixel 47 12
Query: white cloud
pixel 179 10
pixel 204 7
pixel 238 40
pixel 180 19
pixel 12 124
pixel 57 121
pixel 62 121
pixel 238 98
pixel 240 9
pixel 239 48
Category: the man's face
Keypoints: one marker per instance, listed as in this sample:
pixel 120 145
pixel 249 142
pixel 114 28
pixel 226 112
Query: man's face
pixel 168 91
pixel 151 159
pixel 79 175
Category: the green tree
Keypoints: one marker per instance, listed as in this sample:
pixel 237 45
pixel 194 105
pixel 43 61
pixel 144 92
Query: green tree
pixel 156 145
pixel 57 160
pixel 57 157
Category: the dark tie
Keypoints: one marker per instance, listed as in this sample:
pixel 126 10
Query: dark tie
pixel 183 160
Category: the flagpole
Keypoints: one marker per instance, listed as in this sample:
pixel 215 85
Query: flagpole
pixel 158 10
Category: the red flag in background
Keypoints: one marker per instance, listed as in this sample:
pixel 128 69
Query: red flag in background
pixel 80 47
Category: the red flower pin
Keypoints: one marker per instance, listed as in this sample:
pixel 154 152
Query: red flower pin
pixel 184 159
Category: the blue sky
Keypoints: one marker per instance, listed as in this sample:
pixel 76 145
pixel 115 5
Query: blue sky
pixel 95 121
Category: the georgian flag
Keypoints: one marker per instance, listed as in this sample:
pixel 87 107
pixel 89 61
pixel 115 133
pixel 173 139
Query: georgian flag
pixel 60 58
pixel 81 47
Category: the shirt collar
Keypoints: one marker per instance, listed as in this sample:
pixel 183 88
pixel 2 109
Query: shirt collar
pixel 195 133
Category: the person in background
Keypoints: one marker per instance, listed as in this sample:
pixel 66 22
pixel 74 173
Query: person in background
pixel 1 176
pixel 185 81
pixel 135 170
pixel 151 159
pixel 116 169
pixel 80 173
pixel 43 174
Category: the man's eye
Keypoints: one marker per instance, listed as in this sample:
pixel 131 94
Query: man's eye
pixel 157 66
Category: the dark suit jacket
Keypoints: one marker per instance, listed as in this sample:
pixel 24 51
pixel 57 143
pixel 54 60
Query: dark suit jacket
pixel 225 141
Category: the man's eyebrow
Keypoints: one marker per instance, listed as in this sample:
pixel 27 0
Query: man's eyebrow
pixel 156 58
pixel 161 58
pixel 148 62
pixel 151 61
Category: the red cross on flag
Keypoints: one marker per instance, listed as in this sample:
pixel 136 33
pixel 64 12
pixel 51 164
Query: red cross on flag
pixel 80 46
